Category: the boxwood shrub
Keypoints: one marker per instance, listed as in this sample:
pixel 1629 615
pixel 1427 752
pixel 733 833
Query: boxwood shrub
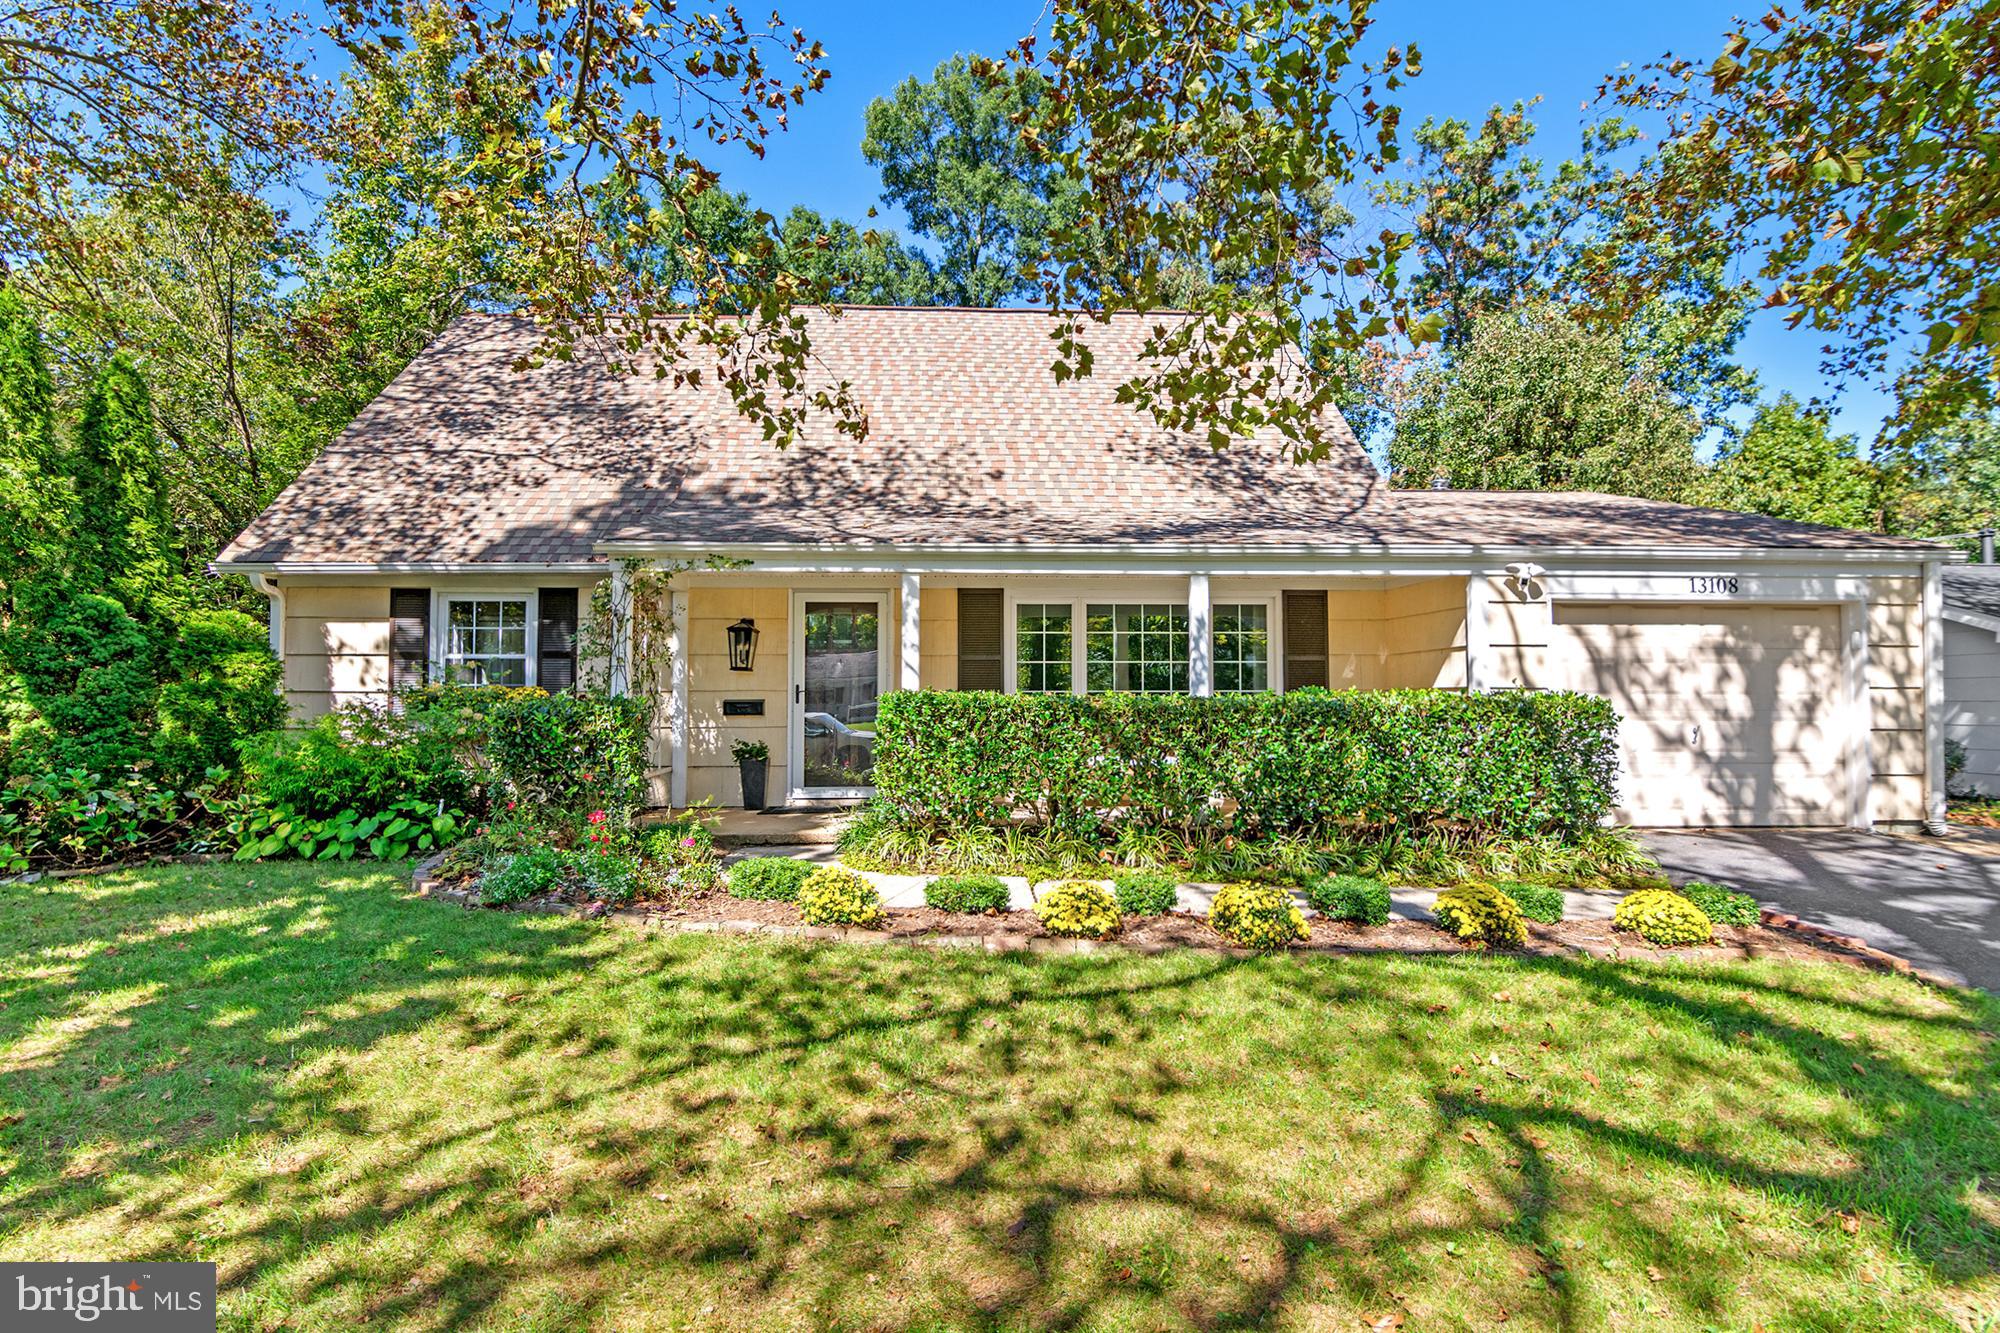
pixel 1485 766
pixel 772 878
pixel 1537 902
pixel 1350 898
pixel 1145 892
pixel 967 893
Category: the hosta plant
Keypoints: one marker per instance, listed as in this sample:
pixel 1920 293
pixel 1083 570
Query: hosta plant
pixel 1482 915
pixel 1080 908
pixel 836 897
pixel 1257 916
pixel 1663 917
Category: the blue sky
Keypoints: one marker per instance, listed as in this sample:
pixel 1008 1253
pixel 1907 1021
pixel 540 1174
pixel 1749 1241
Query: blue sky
pixel 1474 54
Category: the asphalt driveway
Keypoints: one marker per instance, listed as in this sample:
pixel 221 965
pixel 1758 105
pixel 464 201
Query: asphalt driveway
pixel 1933 901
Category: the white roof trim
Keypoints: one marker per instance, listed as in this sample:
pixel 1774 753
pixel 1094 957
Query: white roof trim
pixel 1991 624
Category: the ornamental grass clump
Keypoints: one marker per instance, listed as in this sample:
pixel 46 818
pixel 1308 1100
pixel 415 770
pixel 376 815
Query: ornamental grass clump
pixel 1724 907
pixel 1079 908
pixel 1663 917
pixel 1350 898
pixel 1257 916
pixel 768 878
pixel 1145 892
pixel 1538 902
pixel 967 893
pixel 836 897
pixel 1482 915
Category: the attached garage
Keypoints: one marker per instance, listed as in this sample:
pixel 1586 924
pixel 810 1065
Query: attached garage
pixel 1733 714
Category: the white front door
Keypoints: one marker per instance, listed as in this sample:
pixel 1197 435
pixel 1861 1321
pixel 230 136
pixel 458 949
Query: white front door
pixel 840 664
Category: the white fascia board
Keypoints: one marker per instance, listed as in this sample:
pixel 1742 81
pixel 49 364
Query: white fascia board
pixel 1023 561
pixel 297 568
pixel 1991 624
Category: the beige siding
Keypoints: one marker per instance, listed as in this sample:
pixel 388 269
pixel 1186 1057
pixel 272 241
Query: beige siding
pixel 711 772
pixel 1896 698
pixel 336 642
pixel 1407 634
pixel 1972 701
pixel 937 638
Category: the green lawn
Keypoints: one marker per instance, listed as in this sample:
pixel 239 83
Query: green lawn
pixel 367 1106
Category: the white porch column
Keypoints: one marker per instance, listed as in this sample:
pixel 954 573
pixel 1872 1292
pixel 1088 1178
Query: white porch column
pixel 1858 710
pixel 677 700
pixel 1201 660
pixel 910 647
pixel 621 629
pixel 1478 635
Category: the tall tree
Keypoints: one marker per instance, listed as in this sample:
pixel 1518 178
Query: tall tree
pixel 1946 482
pixel 1533 401
pixel 143 94
pixel 192 290
pixel 1198 137
pixel 33 508
pixel 120 537
pixel 1850 146
pixel 952 157
pixel 1788 464
pixel 27 391
pixel 1495 227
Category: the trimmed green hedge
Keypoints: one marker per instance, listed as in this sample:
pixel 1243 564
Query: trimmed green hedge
pixel 1513 764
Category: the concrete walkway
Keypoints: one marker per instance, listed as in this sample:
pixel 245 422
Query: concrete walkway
pixel 1933 901
pixel 902 891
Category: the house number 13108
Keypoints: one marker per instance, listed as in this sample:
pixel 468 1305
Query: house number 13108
pixel 1713 583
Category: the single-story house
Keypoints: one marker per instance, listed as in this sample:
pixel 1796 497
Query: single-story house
pixel 998 530
pixel 1972 672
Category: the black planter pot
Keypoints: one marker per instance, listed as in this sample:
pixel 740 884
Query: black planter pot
pixel 752 772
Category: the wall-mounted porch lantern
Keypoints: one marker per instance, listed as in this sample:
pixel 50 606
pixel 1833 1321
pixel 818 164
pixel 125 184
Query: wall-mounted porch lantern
pixel 742 644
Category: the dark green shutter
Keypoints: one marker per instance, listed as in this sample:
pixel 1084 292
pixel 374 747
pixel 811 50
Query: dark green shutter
pixel 555 639
pixel 1305 639
pixel 409 638
pixel 981 648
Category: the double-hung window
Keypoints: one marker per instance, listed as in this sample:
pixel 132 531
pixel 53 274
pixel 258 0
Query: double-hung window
pixel 1099 647
pixel 486 639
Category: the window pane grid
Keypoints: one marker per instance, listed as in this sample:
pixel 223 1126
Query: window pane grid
pixel 486 640
pixel 1042 646
pixel 1242 648
pixel 1136 647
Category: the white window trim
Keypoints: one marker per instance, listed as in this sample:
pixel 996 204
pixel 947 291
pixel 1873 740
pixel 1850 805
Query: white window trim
pixel 441 600
pixel 1273 604
pixel 1174 592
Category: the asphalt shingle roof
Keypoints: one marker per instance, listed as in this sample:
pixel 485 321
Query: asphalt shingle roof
pixel 1975 589
pixel 463 459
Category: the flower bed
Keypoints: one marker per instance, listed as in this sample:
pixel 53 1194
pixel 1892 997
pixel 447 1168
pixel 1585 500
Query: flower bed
pixel 717 909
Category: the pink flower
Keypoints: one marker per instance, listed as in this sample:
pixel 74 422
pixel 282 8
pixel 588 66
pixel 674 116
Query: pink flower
pixel 597 816
pixel 510 805
pixel 687 842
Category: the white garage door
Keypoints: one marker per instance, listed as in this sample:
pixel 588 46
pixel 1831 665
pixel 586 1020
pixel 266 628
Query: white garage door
pixel 1732 714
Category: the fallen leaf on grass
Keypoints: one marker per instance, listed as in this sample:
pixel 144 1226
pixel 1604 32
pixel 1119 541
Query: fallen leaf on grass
pixel 1591 1079
pixel 1655 1274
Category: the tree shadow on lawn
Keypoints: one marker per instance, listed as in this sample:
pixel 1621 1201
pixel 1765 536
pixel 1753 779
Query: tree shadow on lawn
pixel 429 1117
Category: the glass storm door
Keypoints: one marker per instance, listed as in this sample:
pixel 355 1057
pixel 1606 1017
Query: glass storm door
pixel 837 657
